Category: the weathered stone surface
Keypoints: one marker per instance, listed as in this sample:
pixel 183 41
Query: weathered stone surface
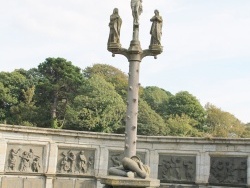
pixel 85 183
pixel 124 182
pixel 34 183
pixel 8 182
pixel 63 183
pixel 156 30
pixel 24 158
pixel 76 161
pixel 115 28
pixel 228 170
pixel 115 158
pixel 174 168
pixel 154 150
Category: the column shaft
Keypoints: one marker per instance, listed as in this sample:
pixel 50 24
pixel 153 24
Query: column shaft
pixel 132 109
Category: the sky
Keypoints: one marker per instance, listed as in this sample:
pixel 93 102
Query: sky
pixel 206 43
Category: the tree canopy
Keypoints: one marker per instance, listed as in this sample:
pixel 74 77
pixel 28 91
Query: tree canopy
pixel 184 103
pixel 57 94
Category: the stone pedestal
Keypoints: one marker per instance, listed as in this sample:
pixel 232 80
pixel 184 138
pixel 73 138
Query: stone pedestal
pixel 124 182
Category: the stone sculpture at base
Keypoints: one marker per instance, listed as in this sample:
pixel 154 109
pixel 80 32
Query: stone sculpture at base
pixel 131 167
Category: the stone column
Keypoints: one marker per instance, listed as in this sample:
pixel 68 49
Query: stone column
pixel 51 165
pixel 52 158
pixel 103 161
pixel 202 168
pixel 49 182
pixel 3 149
pixel 132 109
pixel 248 171
pixel 154 162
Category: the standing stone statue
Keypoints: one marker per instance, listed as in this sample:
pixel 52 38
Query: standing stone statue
pixel 13 158
pixel 156 29
pixel 35 166
pixel 83 162
pixel 25 162
pixel 115 27
pixel 136 6
pixel 72 158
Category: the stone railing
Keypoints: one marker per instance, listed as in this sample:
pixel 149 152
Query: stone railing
pixel 48 158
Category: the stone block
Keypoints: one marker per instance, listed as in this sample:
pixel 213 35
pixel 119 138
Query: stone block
pixel 63 183
pixel 34 183
pixel 9 182
pixel 85 184
pixel 123 182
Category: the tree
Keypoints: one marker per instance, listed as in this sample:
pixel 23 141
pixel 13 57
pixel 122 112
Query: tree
pixel 185 103
pixel 59 83
pixel 223 124
pixel 157 99
pixel 24 113
pixel 12 92
pixel 98 109
pixel 182 126
pixel 112 75
pixel 149 122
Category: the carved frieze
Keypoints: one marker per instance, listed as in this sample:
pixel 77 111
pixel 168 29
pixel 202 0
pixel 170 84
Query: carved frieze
pixel 228 170
pixel 177 168
pixel 24 158
pixel 76 161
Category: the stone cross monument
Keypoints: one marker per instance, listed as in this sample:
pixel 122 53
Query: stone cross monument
pixel 134 54
pixel 124 175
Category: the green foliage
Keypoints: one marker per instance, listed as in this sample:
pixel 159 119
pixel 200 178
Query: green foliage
pixel 182 126
pixel 112 75
pixel 12 87
pixel 246 133
pixel 59 82
pixel 149 122
pixel 24 112
pixel 185 103
pixel 223 124
pixel 58 94
pixel 157 99
pixel 99 109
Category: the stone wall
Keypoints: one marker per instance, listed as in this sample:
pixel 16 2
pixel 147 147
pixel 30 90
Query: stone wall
pixel 48 158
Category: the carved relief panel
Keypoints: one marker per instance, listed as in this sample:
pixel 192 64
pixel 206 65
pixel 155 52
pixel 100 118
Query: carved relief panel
pixel 115 158
pixel 177 169
pixel 24 158
pixel 228 170
pixel 76 161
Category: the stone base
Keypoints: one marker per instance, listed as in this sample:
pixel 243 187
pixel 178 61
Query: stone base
pixel 156 48
pixel 114 47
pixel 124 182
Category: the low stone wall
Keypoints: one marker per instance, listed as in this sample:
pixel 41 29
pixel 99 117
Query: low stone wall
pixel 49 158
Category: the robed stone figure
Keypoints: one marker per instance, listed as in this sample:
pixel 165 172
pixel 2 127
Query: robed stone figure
pixel 156 29
pixel 136 6
pixel 115 27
